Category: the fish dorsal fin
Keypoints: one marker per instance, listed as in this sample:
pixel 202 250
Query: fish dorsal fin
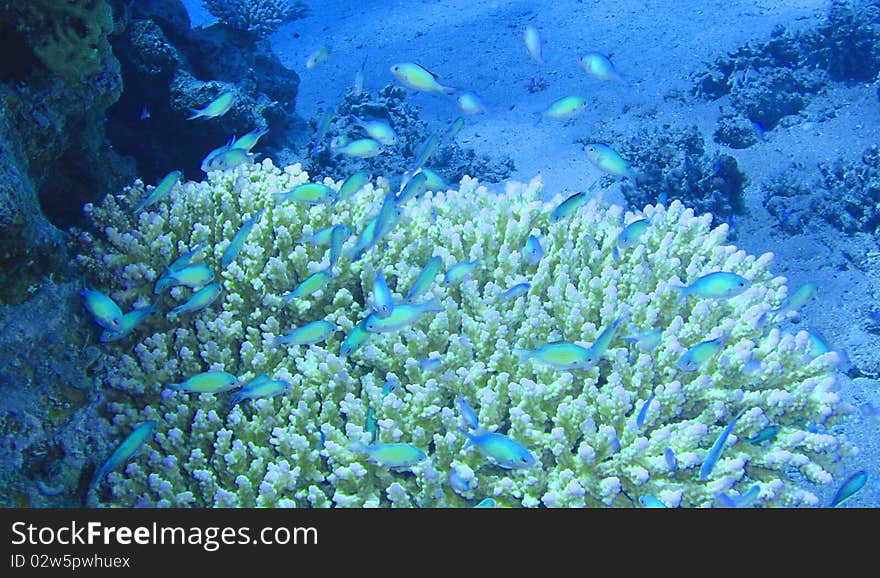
pixel 428 70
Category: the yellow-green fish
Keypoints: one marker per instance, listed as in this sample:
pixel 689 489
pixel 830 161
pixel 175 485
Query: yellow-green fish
pixel 647 340
pixel 629 237
pixel 572 203
pixel 698 355
pixel 852 485
pixel 323 127
pixel 207 382
pixel 469 102
pixel 191 276
pixel 568 206
pixel 505 452
pixel 309 334
pixel 104 310
pixel 418 78
pixel 308 193
pixel 561 355
pixel 382 302
pixel 433 181
pixel 386 218
pixel 651 502
pixel 532 40
pixel 460 271
pixel 416 186
pixel 402 315
pixel 364 240
pixel 355 339
pixel 796 300
pixel 715 451
pixel 191 257
pixel 209 158
pixel 516 291
pixel 717 285
pixel 533 251
pixel 818 346
pixel 198 301
pixel 217 107
pixel 425 152
pixel 742 501
pixel 226 159
pixel 425 278
pixel 467 413
pixel 643 411
pixel 362 148
pixel 234 248
pixel 129 446
pixel 338 235
pixel 352 185
pixel 378 130
pixel 358 86
pixel 160 191
pixel 599 66
pixel 455 127
pixel 565 107
pixel 765 435
pixel 263 389
pixel 395 455
pixel 324 236
pixel 249 140
pixel 130 321
pixel 370 424
pixel 313 283
pixel 606 159
pixel 321 54
pixel 600 346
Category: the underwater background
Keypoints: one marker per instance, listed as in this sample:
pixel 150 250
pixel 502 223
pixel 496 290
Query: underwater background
pixel 430 254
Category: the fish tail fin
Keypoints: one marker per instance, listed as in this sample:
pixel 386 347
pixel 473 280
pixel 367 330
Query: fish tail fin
pixel 194 114
pixel 433 304
pixel 358 447
pixel 761 320
pixel 683 292
pixel 523 354
pixel 448 89
pixel 470 438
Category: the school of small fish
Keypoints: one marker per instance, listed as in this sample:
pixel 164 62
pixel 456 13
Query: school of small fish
pixel 192 271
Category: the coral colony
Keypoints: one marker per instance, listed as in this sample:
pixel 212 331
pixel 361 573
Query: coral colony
pixel 441 348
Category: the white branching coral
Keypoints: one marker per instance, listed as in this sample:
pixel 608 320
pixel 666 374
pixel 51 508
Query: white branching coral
pixel 593 444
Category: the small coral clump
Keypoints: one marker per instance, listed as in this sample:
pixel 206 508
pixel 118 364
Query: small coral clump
pixel 633 425
pixel 259 18
pixel 847 195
